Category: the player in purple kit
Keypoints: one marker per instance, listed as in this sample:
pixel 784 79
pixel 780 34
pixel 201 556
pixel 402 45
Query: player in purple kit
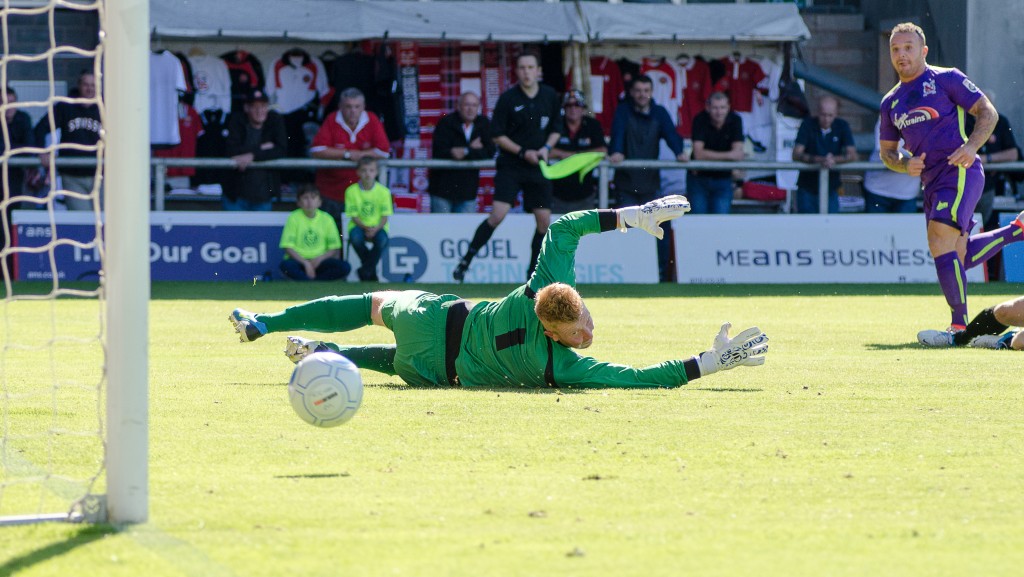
pixel 927 110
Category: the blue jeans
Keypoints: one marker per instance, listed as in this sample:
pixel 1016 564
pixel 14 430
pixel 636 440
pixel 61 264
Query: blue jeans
pixel 439 205
pixel 369 256
pixel 666 265
pixel 807 201
pixel 709 194
pixel 329 269
pixel 243 204
pixel 876 203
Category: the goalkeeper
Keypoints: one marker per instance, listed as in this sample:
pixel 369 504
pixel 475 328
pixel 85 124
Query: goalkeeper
pixel 526 338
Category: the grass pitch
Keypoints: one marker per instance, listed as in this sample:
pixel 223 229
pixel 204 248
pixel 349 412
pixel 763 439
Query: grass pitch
pixel 853 451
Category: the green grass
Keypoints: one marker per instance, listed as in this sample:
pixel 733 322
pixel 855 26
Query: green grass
pixel 853 451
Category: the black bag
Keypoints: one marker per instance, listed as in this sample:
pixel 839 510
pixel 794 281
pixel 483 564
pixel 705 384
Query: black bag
pixel 792 101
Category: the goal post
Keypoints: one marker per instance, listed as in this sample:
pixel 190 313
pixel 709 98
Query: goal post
pixel 74 430
pixel 125 30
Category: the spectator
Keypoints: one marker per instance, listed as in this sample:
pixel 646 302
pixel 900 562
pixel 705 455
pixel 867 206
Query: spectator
pixel 311 242
pixel 637 128
pixel 826 140
pixel 582 134
pixel 888 191
pixel 526 125
pixel 368 204
pixel 255 135
pixel 19 134
pixel 717 135
pixel 349 134
pixel 76 123
pixel 461 135
pixel 1001 146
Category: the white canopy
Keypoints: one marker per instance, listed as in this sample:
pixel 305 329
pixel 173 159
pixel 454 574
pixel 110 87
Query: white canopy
pixel 695 22
pixel 344 20
pixel 341 21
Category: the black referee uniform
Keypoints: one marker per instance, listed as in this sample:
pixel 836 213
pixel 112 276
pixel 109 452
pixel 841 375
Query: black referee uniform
pixel 528 122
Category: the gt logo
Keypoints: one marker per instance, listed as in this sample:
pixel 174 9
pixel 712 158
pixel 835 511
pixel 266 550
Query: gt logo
pixel 400 261
pixel 405 260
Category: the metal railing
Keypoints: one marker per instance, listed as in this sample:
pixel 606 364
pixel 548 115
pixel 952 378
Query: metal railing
pixel 160 166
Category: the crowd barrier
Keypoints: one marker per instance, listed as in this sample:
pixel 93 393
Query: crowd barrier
pixel 604 170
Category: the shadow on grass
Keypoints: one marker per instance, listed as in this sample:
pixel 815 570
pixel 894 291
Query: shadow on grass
pixel 81 538
pixel 725 390
pixel 313 476
pixel 893 346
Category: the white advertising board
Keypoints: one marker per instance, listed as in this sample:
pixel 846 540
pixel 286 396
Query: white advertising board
pixel 427 247
pixel 860 248
pixel 244 245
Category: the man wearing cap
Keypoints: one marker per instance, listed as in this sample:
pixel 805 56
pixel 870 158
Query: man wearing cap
pixel 582 133
pixel 255 135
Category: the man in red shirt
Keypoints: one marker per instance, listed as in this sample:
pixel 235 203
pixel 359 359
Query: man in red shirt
pixel 349 134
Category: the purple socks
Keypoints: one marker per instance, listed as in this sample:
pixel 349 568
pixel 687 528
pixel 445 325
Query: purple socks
pixel 953 280
pixel 984 246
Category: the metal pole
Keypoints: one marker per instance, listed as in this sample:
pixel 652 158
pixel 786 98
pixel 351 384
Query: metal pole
pixel 602 184
pixel 823 190
pixel 126 270
pixel 160 183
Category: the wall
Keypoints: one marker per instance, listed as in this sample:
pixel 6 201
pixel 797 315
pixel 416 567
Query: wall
pixel 995 42
pixel 842 44
pixel 30 35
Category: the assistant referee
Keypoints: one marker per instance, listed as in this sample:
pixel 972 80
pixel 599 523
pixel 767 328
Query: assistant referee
pixel 527 122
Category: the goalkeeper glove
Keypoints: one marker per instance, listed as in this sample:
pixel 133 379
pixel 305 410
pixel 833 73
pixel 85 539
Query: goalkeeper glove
pixel 747 348
pixel 649 216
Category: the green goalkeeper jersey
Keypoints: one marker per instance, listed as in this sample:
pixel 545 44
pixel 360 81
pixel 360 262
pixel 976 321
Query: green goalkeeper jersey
pixel 503 342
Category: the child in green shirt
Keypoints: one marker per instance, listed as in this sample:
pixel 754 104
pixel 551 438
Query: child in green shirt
pixel 367 206
pixel 311 242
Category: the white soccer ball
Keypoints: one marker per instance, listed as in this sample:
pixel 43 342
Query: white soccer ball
pixel 325 389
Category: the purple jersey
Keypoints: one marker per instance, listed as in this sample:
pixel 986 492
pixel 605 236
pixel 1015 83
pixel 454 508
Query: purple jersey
pixel 928 113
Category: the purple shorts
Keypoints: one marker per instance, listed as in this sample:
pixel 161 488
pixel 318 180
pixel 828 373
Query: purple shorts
pixel 950 197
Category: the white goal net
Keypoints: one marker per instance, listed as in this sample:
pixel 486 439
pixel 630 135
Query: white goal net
pixel 73 429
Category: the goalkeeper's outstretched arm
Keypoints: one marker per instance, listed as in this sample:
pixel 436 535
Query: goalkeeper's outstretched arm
pixel 745 349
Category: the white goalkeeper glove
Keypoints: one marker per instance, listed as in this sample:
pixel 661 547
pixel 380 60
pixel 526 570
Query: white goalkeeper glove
pixel 747 348
pixel 649 216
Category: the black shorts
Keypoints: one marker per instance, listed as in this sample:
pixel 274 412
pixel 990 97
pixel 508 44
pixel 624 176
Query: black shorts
pixel 536 189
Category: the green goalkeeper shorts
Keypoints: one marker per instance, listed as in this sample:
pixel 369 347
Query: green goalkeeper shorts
pixel 418 320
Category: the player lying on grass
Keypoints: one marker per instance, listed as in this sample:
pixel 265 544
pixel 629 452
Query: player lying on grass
pixel 986 330
pixel 524 339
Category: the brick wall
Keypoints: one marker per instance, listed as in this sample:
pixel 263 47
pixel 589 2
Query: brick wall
pixel 30 35
pixel 841 44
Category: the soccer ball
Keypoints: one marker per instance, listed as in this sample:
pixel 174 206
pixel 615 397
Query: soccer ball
pixel 325 389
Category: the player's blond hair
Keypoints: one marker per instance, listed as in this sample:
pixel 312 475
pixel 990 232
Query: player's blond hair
pixel 908 27
pixel 558 303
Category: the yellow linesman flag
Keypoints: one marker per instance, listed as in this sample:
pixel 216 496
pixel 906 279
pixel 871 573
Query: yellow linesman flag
pixel 581 163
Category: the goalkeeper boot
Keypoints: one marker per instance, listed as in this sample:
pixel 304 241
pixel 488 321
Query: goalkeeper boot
pixel 246 325
pixel 298 348
pixel 1000 342
pixel 937 339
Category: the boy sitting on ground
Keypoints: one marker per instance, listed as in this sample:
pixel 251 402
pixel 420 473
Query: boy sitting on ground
pixel 311 242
